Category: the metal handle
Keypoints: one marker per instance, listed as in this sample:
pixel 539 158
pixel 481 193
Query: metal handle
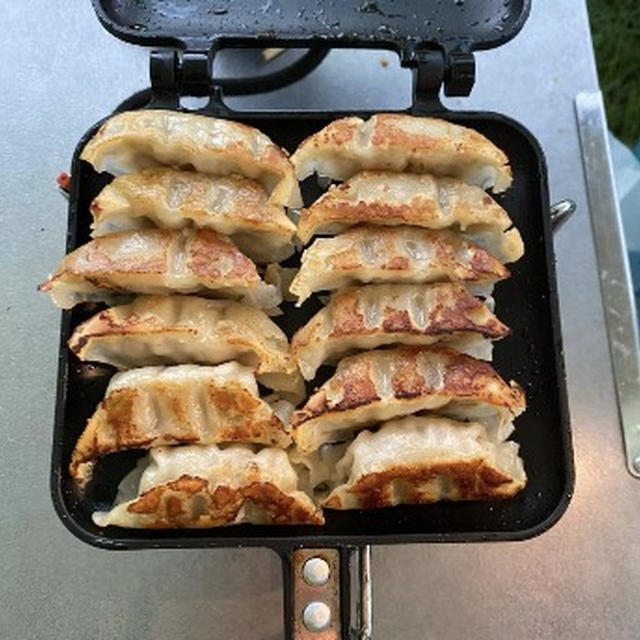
pixel 328 594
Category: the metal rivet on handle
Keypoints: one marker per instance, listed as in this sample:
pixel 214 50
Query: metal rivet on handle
pixel 316 616
pixel 316 571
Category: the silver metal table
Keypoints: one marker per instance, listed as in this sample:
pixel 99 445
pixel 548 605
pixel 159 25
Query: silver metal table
pixel 60 73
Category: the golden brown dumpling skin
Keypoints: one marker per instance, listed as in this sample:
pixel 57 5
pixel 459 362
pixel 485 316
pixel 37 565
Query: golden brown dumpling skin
pixel 379 385
pixel 391 199
pixel 399 142
pixel 368 254
pixel 359 318
pixel 161 330
pixel 158 261
pixel 424 459
pixel 186 404
pixel 208 486
pixel 172 199
pixel 135 140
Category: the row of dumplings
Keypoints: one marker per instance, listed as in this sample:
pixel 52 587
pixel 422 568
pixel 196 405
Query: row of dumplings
pixel 197 204
pixel 413 258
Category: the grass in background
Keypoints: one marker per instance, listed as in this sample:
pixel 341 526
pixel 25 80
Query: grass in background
pixel 615 27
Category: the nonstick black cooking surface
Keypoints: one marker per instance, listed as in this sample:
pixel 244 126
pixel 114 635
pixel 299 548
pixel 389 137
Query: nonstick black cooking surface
pixel 532 355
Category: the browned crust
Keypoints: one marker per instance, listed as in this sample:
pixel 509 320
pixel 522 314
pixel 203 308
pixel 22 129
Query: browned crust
pixel 385 132
pixel 446 246
pixel 340 205
pixel 465 378
pixel 327 210
pixel 168 506
pixel 107 325
pixel 337 133
pixel 94 262
pixel 248 146
pixel 119 423
pixel 272 154
pixel 211 257
pixel 142 189
pixel 214 257
pixel 454 309
pixel 474 480
pixel 388 133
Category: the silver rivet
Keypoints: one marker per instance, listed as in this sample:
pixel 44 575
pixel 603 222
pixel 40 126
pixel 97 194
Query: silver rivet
pixel 316 616
pixel 316 571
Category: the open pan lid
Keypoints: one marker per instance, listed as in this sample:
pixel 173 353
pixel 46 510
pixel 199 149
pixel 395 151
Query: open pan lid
pixel 401 25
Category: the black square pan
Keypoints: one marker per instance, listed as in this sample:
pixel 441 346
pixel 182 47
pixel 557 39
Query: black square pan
pixel 532 355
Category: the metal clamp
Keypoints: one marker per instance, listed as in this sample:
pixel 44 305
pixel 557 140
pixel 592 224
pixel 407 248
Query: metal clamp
pixel 329 592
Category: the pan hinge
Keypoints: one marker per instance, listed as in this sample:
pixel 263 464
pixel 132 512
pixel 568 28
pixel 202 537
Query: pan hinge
pixel 182 73
pixel 435 69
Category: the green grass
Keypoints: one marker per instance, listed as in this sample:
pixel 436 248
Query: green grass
pixel 615 26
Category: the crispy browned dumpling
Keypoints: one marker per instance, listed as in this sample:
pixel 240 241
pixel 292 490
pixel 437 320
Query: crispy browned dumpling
pixel 173 199
pixel 379 385
pixel 137 140
pixel 210 486
pixel 186 404
pixel 391 199
pixel 161 330
pixel 368 254
pixel 158 261
pixel 424 459
pixel 360 318
pixel 399 142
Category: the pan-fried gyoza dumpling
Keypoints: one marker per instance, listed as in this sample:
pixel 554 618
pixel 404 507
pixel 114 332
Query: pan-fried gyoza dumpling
pixel 173 199
pixel 360 318
pixel 158 261
pixel 385 198
pixel 160 330
pixel 395 254
pixel 397 142
pixel 379 385
pixel 423 459
pixel 187 404
pixel 136 140
pixel 211 486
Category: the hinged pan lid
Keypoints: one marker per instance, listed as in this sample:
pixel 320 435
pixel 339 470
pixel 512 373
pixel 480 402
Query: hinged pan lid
pixel 416 29
pixel 402 25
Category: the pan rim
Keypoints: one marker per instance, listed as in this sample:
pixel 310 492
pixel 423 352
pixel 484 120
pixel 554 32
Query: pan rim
pixel 281 543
